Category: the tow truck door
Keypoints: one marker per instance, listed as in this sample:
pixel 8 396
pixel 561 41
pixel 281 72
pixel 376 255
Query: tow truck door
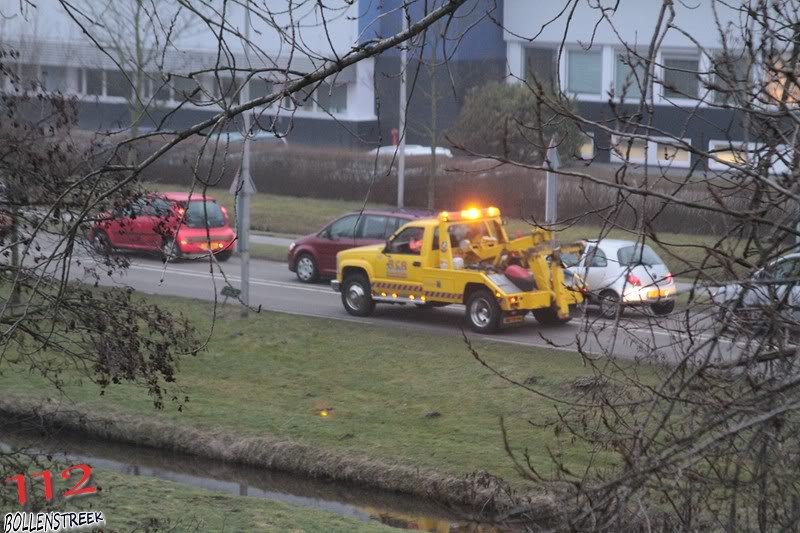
pixel 399 269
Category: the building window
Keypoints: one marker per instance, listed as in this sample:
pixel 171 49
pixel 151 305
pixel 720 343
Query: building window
pixel 332 99
pixel 731 78
pixel 625 149
pixel 668 153
pixel 28 77
pixel 55 79
pixel 161 90
pixel 680 77
pixel 117 84
pixel 259 87
pixel 541 66
pixel 93 82
pixel 183 89
pixel 585 149
pixel 228 90
pixel 585 72
pixel 629 76
pixel 727 154
pixel 779 85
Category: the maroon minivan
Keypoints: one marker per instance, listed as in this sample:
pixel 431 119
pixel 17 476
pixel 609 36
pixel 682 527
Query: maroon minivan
pixel 314 256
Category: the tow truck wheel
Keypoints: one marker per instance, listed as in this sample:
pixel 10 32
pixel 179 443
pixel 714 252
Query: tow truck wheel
pixel 357 295
pixel 483 312
pixel 549 317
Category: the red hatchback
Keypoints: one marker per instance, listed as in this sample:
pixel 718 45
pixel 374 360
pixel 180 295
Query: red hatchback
pixel 314 256
pixel 171 223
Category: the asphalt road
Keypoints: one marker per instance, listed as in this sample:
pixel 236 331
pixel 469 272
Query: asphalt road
pixel 274 287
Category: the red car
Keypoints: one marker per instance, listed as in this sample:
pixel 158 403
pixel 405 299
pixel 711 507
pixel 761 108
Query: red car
pixel 170 223
pixel 314 256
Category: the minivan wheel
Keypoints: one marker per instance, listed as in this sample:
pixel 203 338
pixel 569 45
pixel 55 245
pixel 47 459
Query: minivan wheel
pixel 223 256
pixel 306 268
pixel 483 312
pixel 357 295
pixel 170 250
pixel 663 308
pixel 609 305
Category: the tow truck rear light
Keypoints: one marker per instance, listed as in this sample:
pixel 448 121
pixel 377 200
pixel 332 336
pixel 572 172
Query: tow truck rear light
pixel 634 280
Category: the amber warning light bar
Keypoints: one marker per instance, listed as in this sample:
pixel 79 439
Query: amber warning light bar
pixel 473 213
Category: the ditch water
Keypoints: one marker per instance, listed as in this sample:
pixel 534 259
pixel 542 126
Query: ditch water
pixel 365 504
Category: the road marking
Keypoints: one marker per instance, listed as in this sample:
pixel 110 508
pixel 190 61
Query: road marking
pixel 219 277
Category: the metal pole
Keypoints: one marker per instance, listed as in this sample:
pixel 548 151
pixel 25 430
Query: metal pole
pixel 244 189
pixel 550 202
pixel 551 190
pixel 401 156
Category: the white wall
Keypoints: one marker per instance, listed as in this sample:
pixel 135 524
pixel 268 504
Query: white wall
pixel 47 34
pixel 50 22
pixel 633 22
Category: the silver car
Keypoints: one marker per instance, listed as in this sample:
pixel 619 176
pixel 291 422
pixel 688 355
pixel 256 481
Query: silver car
pixel 620 273
pixel 770 297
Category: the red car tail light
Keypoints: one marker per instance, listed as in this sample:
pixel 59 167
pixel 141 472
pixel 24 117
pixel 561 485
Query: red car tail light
pixel 634 280
pixel 668 277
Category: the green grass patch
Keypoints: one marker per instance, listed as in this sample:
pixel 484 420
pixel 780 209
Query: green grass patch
pixel 282 214
pixel 420 399
pixel 270 252
pixel 132 503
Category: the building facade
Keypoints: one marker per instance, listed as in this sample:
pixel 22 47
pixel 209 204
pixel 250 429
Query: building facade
pixel 598 60
pixel 488 41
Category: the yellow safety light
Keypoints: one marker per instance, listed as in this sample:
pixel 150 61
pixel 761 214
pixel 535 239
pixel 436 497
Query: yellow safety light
pixel 493 212
pixel 411 297
pixel 472 213
pixel 394 295
pixel 422 298
pixel 383 294
pixel 443 216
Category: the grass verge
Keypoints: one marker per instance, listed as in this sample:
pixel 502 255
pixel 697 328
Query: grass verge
pixel 270 252
pixel 282 214
pixel 421 400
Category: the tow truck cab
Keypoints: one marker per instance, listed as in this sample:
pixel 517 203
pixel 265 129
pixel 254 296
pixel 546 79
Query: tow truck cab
pixel 465 258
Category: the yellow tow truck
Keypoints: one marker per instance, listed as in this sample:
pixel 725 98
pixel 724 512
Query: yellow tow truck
pixel 465 258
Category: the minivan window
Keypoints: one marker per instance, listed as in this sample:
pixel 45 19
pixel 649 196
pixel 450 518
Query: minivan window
pixel 201 214
pixel 372 227
pixel 638 255
pixel 394 223
pixel 344 228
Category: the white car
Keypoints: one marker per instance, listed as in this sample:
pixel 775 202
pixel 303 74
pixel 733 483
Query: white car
pixel 619 273
pixel 771 296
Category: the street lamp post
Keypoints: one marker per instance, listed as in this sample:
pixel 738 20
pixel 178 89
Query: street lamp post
pixel 245 186
pixel 401 156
